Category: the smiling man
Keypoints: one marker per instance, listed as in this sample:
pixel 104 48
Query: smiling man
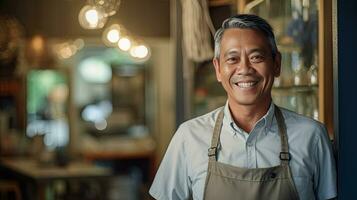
pixel 250 148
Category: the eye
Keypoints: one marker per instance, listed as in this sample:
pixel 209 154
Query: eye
pixel 232 60
pixel 256 58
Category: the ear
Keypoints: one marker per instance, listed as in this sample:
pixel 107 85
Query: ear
pixel 217 69
pixel 277 64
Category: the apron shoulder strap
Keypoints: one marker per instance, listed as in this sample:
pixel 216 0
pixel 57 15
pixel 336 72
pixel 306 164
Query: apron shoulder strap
pixel 284 154
pixel 212 151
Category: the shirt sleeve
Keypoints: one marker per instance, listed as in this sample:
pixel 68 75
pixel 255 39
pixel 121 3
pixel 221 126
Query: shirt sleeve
pixel 171 181
pixel 325 174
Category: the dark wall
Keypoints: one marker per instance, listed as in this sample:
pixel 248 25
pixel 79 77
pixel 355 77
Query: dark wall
pixel 59 18
pixel 347 98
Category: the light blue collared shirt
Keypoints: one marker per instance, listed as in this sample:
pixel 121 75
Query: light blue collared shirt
pixel 183 169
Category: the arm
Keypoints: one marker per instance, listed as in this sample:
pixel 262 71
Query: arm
pixel 325 173
pixel 171 181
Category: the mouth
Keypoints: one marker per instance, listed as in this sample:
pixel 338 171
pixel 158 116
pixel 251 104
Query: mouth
pixel 246 84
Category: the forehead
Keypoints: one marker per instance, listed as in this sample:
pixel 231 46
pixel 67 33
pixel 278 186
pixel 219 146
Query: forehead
pixel 243 38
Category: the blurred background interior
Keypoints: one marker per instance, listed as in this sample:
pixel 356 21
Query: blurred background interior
pixel 91 91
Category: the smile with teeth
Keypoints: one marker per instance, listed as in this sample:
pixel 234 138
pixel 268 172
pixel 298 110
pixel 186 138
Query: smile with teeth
pixel 246 84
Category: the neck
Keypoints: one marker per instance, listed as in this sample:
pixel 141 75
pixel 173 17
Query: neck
pixel 246 116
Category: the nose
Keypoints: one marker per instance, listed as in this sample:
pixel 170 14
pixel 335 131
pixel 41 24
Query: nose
pixel 244 66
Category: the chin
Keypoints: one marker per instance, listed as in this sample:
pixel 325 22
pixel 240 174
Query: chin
pixel 245 101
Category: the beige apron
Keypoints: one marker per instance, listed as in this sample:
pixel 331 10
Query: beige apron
pixel 227 182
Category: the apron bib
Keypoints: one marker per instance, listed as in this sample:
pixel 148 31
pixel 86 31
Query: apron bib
pixel 227 182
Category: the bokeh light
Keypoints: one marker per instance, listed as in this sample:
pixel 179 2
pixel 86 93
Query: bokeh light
pixel 91 17
pixel 124 43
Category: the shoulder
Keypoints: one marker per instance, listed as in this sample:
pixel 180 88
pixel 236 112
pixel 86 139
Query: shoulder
pixel 295 120
pixel 200 123
pixel 304 129
pixel 198 131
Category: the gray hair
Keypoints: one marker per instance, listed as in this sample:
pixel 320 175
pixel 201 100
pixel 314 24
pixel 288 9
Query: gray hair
pixel 247 21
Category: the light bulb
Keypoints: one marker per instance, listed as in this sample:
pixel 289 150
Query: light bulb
pixel 91 17
pixel 124 44
pixel 140 51
pixel 109 7
pixel 113 36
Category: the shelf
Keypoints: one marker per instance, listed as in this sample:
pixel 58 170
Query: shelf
pixel 118 148
pixel 288 48
pixel 296 88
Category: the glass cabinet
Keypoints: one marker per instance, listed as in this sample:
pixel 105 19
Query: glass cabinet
pixel 303 34
pixel 295 24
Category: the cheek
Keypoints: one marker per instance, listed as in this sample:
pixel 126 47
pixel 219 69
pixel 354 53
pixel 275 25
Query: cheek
pixel 268 73
pixel 225 73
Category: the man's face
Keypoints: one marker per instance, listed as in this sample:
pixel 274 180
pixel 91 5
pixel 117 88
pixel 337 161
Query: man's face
pixel 246 67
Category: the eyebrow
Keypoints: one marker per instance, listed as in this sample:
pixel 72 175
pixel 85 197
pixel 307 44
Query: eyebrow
pixel 258 50
pixel 250 51
pixel 231 52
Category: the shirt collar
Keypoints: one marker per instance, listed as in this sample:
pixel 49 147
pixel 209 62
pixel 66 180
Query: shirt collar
pixel 267 119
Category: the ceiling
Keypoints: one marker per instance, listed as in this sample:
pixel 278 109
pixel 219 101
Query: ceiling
pixel 59 18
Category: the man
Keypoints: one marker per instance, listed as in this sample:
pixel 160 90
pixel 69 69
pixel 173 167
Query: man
pixel 250 148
